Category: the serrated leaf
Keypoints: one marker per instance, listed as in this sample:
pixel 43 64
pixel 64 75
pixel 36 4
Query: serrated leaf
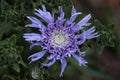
pixel 106 38
pixel 98 25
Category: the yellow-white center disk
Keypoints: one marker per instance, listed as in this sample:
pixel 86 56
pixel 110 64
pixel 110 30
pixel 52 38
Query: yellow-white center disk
pixel 59 39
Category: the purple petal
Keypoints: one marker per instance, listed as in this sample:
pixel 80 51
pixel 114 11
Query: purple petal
pixel 59 22
pixel 73 10
pixel 94 35
pixel 74 14
pixel 35 44
pixel 80 53
pixel 32 37
pixel 32 25
pixel 61 12
pixel 91 30
pixel 90 33
pixel 37 56
pixel 82 38
pixel 44 9
pixel 50 63
pixel 60 19
pixel 82 23
pixel 80 60
pixel 63 65
pixel 40 26
pixel 35 23
pixel 73 17
pixel 45 15
pixel 51 56
pixel 86 18
pixel 33 19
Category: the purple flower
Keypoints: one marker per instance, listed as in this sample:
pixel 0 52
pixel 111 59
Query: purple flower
pixel 59 38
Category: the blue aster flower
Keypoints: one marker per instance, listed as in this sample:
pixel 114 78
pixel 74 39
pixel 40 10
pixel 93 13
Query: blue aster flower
pixel 59 38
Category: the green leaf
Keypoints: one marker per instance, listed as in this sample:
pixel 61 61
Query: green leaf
pixel 16 67
pixel 107 36
pixel 12 40
pixel 22 63
pixel 4 28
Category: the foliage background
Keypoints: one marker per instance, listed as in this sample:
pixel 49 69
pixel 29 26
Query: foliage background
pixel 103 53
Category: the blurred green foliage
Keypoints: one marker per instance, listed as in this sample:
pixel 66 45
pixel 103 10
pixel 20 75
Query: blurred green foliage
pixel 14 50
pixel 107 36
pixel 10 54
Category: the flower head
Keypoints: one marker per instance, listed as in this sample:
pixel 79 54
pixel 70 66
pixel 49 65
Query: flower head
pixel 59 38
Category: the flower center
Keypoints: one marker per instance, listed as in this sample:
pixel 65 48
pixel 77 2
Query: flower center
pixel 59 39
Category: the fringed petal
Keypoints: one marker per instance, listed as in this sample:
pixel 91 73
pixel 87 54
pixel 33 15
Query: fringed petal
pixel 74 14
pixel 36 56
pixel 44 9
pixel 73 10
pixel 80 60
pixel 33 19
pixel 51 56
pixel 90 33
pixel 82 38
pixel 50 63
pixel 32 25
pixel 60 19
pixel 35 44
pixel 61 13
pixel 45 15
pixel 84 22
pixel 36 23
pixel 63 65
pixel 73 17
pixel 80 53
pixel 32 37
